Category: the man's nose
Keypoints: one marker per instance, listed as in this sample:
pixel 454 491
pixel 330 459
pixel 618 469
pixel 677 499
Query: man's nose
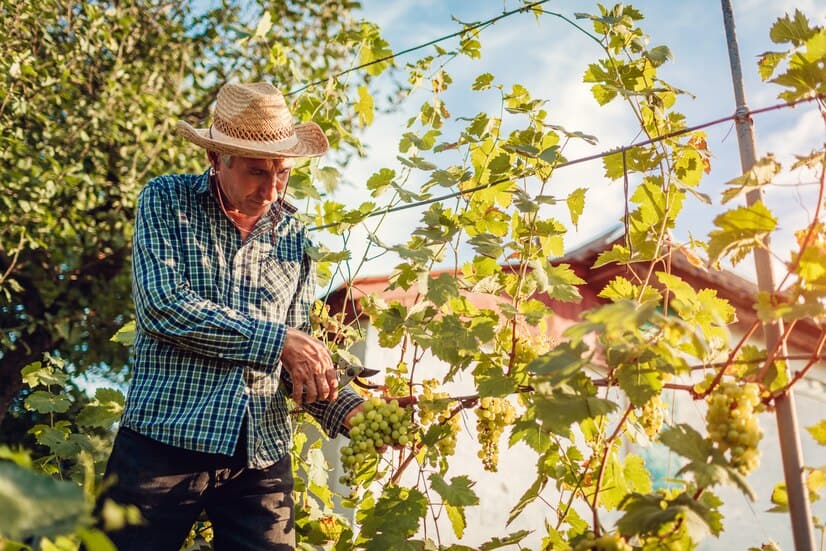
pixel 269 190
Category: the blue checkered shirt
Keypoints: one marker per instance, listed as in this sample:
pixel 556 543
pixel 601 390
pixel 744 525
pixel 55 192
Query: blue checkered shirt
pixel 212 314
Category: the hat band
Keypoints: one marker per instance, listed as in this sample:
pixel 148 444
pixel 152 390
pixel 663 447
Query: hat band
pixel 274 145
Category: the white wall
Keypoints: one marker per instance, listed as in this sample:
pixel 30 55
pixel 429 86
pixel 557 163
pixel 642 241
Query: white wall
pixel 747 524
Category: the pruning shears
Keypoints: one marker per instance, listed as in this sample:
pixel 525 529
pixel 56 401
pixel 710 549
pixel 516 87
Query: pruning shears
pixel 349 372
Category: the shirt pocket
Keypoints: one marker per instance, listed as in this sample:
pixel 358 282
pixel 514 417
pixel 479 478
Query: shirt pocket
pixel 279 278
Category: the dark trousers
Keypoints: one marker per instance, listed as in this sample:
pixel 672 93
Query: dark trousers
pixel 250 509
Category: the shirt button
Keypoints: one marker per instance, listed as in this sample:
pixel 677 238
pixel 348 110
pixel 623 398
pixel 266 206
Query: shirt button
pixel 246 391
pixel 237 289
pixel 220 354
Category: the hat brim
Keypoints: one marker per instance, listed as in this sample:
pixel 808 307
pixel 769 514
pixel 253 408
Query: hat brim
pixel 310 142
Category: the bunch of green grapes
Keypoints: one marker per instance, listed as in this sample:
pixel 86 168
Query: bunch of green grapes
pixel 381 424
pixel 651 417
pixel 606 542
pixel 434 415
pixel 492 416
pixel 732 424
pixel 446 445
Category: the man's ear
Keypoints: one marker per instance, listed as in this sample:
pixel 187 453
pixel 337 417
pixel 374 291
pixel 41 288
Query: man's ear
pixel 214 159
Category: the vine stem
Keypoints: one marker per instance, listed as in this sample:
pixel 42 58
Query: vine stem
pixel 812 228
pixel 608 443
pixel 466 403
pixel 816 356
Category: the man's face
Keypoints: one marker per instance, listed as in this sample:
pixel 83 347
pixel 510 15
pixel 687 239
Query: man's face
pixel 252 185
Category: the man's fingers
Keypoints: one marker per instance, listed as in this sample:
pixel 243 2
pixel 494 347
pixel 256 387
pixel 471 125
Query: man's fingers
pixel 298 391
pixel 332 383
pixel 310 391
pixel 322 388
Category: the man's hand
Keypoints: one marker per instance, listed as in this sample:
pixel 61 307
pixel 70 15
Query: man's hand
pixel 310 367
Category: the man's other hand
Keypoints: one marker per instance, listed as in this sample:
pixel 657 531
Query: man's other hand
pixel 310 367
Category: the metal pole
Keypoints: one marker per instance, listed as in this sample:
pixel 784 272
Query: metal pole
pixel 785 410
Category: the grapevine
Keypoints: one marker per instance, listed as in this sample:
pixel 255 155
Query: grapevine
pixel 733 425
pixel 493 414
pixel 381 424
pixel 651 417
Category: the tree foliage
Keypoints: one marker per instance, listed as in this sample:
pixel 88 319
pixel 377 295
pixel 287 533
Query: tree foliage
pixel 88 103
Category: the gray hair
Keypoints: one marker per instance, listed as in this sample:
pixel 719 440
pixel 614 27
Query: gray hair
pixel 226 159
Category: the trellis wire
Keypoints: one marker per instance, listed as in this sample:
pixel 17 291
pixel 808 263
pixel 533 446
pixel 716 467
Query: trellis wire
pixel 621 149
pixel 394 55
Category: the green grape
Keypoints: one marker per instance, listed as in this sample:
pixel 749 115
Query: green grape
pixel 732 424
pixel 651 417
pixel 606 542
pixel 381 424
pixel 493 415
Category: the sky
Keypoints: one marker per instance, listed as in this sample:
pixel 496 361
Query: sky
pixel 549 57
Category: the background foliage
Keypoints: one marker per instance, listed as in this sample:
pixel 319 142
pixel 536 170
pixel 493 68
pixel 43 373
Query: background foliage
pixel 95 89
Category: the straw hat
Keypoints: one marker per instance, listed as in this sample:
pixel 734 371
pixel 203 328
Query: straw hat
pixel 253 120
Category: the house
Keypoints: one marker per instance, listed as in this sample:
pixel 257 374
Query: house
pixel 746 524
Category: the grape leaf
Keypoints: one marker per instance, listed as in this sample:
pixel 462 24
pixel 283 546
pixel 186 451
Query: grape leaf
pixel 35 505
pixel 762 173
pixel 796 30
pixel 559 411
pixel 560 364
pixel 640 381
pixel 459 492
pixel 398 512
pixel 650 513
pixel 46 402
pixel 576 205
pixel 510 539
pixel 104 411
pixel 622 478
pixel 37 374
pixel 818 432
pixel 740 231
pixel 456 515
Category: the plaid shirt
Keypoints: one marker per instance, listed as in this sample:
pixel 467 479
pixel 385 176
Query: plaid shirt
pixel 212 314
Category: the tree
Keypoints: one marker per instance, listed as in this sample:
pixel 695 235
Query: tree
pixel 88 103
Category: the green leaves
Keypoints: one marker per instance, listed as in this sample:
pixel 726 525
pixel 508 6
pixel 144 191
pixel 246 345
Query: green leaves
pixel 623 477
pixel 364 107
pixel 796 30
pixel 126 334
pixel 373 49
pixel 456 496
pixel 36 506
pixel 44 374
pixel 42 401
pixel 706 464
pixel 105 410
pixel 654 513
pixel 394 518
pixel 576 205
pixel 739 232
pixel 818 432
pixel 762 173
pixel 559 411
pixel 806 56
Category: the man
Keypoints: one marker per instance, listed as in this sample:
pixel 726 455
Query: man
pixel 222 289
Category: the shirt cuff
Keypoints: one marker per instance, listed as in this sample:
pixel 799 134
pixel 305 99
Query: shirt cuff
pixel 333 418
pixel 267 341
